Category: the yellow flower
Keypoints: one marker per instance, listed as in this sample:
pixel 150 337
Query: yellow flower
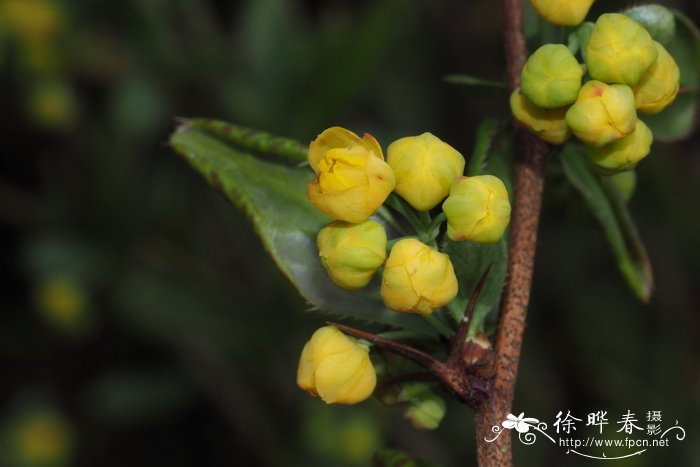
pixel 551 77
pixel 625 153
pixel 64 304
pixel 478 209
pixel 53 105
pixel 352 180
pixel 351 253
pixel 417 278
pixel 38 436
pixel 336 368
pixel 425 168
pixel 563 12
pixel 548 124
pixel 620 50
pixel 659 86
pixel 35 21
pixel 602 113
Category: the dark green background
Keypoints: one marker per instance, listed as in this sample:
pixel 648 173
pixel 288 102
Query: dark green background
pixel 189 354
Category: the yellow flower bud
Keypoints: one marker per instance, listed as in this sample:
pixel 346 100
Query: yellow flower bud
pixel 602 113
pixel 417 279
pixel 336 368
pixel 352 180
pixel 53 105
pixel 351 253
pixel 478 209
pixel 620 50
pixel 37 435
pixel 425 168
pixel 659 86
pixel 64 304
pixel 563 12
pixel 551 77
pixel 548 124
pixel 625 153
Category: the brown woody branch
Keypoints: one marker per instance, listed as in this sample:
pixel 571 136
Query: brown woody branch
pixel 528 185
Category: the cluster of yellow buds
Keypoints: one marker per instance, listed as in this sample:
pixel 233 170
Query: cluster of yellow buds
pixel 626 72
pixel 352 181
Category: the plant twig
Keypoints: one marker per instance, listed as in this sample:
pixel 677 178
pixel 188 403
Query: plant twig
pixel 461 336
pixel 528 184
pixel 415 355
pixel 466 372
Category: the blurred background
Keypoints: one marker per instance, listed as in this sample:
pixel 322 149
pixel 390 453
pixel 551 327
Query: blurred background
pixel 143 324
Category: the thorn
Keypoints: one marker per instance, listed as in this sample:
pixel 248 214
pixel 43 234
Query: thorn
pixel 461 335
pixel 415 355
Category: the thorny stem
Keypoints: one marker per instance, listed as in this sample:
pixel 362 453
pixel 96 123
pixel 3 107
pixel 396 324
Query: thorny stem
pixel 463 328
pixel 415 355
pixel 528 184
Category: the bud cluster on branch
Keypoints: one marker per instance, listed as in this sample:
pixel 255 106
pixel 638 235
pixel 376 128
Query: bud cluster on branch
pixel 625 72
pixel 352 182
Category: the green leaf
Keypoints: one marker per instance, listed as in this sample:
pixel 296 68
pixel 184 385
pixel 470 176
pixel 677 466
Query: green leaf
pixel 606 204
pixel 492 155
pixel 656 19
pixel 274 198
pixel 493 152
pixel 677 121
pixel 469 80
pixel 393 458
pixel 574 43
pixel 532 24
pixel 485 136
pixel 578 39
pixel 470 260
pixel 253 140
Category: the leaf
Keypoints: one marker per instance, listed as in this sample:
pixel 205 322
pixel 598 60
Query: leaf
pixel 393 458
pixel 501 159
pixel 532 24
pixel 469 80
pixel 253 140
pixel 485 136
pixel 578 39
pixel 574 43
pixel 678 120
pixel 656 19
pixel 470 260
pixel 492 155
pixel 606 204
pixel 274 198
